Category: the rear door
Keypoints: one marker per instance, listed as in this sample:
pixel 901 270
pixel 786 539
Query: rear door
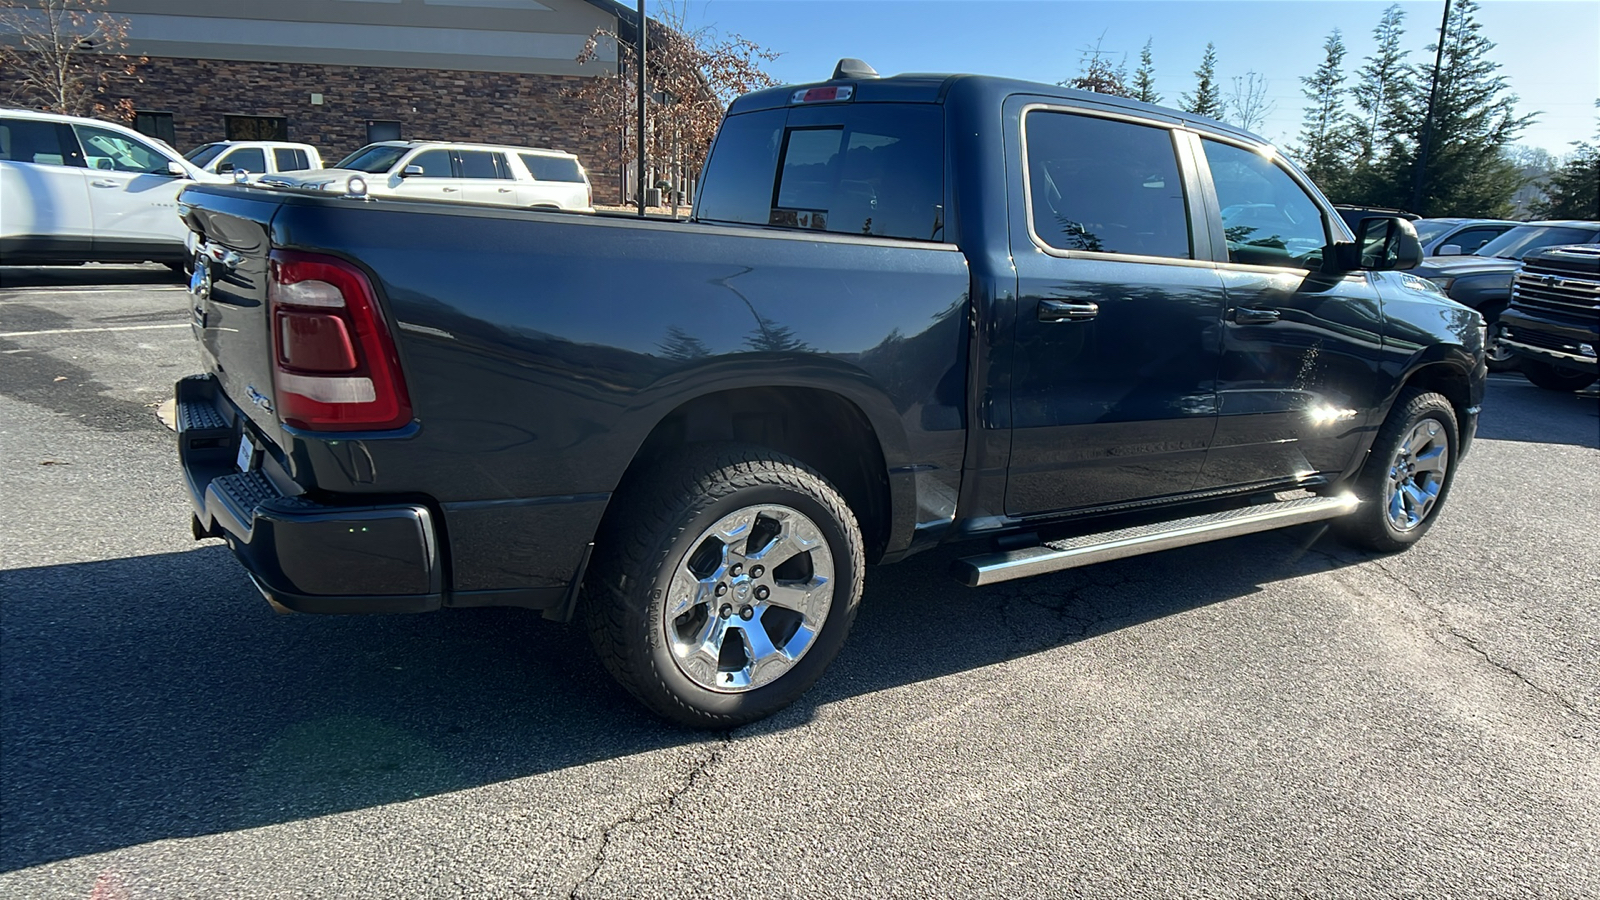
pixel 1300 346
pixel 44 189
pixel 1117 334
pixel 486 177
pixel 135 200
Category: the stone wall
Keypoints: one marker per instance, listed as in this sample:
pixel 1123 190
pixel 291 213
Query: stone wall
pixel 495 108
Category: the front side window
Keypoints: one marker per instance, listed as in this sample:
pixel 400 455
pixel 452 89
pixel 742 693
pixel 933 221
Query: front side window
pixel 32 141
pixel 245 159
pixel 1471 240
pixel 373 160
pixel 1105 186
pixel 1267 219
pixel 104 149
pixel 434 163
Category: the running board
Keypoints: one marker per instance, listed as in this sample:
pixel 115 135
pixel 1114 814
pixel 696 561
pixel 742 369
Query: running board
pixel 991 568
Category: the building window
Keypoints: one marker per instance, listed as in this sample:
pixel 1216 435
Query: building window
pixel 156 124
pixel 257 128
pixel 382 131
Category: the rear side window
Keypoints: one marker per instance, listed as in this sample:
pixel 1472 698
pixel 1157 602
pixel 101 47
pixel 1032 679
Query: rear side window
pixel 434 163
pixel 876 169
pixel 246 159
pixel 479 164
pixel 552 168
pixel 290 159
pixel 1105 186
pixel 32 141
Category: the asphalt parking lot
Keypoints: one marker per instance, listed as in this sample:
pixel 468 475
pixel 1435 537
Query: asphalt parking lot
pixel 1271 715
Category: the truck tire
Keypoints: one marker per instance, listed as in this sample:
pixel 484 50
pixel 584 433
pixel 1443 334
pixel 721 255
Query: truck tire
pixel 724 585
pixel 1407 474
pixel 1551 378
pixel 1495 353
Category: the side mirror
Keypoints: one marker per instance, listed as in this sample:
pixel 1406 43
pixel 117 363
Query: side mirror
pixel 409 171
pixel 1382 243
pixel 1449 250
pixel 176 170
pixel 224 167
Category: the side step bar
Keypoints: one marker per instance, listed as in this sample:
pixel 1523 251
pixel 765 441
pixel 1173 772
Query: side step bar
pixel 991 568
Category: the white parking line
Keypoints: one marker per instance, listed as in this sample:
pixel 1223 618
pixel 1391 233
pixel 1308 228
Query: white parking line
pixel 13 293
pixel 12 334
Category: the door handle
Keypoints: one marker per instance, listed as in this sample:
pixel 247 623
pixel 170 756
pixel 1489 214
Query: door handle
pixel 1067 310
pixel 449 190
pixel 106 183
pixel 1245 316
pixel 505 190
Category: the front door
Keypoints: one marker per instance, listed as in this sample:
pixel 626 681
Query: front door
pixel 436 181
pixel 1117 333
pixel 1300 346
pixel 135 199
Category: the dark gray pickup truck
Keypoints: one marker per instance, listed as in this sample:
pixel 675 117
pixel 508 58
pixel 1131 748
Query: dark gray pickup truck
pixel 909 311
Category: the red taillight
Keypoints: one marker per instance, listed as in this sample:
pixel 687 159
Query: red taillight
pixel 823 94
pixel 335 366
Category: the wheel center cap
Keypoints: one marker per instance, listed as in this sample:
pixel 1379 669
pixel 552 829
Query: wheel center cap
pixel 742 589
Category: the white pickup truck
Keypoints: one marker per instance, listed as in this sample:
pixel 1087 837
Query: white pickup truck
pixel 256 158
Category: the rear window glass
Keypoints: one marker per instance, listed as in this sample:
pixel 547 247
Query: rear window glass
pixel 552 168
pixel 877 170
pixel 32 141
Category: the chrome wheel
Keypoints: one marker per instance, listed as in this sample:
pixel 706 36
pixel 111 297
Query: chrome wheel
pixel 748 599
pixel 1496 350
pixel 1417 474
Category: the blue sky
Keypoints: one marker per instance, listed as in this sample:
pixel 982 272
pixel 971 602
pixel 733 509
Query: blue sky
pixel 1549 49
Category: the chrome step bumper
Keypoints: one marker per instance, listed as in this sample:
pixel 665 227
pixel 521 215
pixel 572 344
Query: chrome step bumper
pixel 992 568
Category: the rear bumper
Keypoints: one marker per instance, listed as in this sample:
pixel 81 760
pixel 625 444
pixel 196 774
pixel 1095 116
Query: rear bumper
pixel 304 556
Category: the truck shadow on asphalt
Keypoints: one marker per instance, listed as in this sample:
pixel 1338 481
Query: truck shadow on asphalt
pixel 1516 410
pixel 158 697
pixel 22 277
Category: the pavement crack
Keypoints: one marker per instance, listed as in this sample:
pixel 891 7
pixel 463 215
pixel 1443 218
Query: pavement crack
pixel 1464 639
pixel 652 810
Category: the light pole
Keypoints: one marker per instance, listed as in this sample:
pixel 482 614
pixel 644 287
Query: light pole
pixel 641 41
pixel 1420 175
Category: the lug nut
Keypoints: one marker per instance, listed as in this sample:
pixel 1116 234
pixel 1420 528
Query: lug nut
pixel 735 570
pixel 722 588
pixel 746 613
pixel 757 571
pixel 762 593
pixel 725 611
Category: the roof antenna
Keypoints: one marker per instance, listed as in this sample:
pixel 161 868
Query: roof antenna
pixel 853 68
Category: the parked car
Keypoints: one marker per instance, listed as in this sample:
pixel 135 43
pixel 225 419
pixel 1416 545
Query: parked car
pixel 910 311
pixel 1458 237
pixel 257 158
pixel 1483 281
pixel 474 173
pixel 1553 325
pixel 76 190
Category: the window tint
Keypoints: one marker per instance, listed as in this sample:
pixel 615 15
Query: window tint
pixel 737 186
pixel 1471 239
pixel 32 141
pixel 478 164
pixel 434 163
pixel 103 149
pixel 246 159
pixel 290 159
pixel 1105 186
pixel 552 168
pixel 373 159
pixel 1266 217
pixel 880 173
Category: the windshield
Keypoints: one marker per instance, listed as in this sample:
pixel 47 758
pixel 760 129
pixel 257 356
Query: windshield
pixel 373 159
pixel 1524 239
pixel 205 153
pixel 1428 229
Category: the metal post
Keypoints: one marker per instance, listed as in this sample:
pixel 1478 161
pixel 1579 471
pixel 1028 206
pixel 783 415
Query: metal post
pixel 641 40
pixel 1421 172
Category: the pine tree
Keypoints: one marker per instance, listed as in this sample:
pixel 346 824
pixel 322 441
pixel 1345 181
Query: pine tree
pixel 1381 91
pixel 1474 121
pixel 1325 139
pixel 1144 78
pixel 1573 191
pixel 1207 97
pixel 1097 73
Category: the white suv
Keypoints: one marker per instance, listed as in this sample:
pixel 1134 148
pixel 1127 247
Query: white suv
pixel 474 173
pixel 256 158
pixel 81 190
